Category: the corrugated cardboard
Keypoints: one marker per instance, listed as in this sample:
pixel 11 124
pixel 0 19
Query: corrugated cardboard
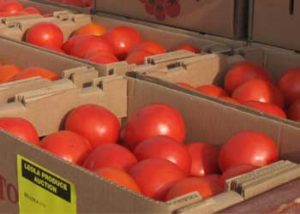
pixel 218 17
pixel 275 22
pixel 123 96
pixel 169 37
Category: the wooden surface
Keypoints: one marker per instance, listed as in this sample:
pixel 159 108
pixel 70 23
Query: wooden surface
pixel 284 199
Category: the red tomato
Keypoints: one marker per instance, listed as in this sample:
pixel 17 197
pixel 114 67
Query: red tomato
pixel 212 90
pixel 257 90
pixel 109 155
pixel 82 45
pixel 137 57
pixel 102 57
pixel 11 7
pixel 120 177
pixel 95 123
pixel 155 177
pixel 243 72
pixel 94 29
pixel 166 148
pixel 67 145
pixel 236 171
pixel 204 159
pixel 185 85
pixel 205 186
pixel 32 10
pixel 68 45
pixel 189 48
pixel 294 111
pixel 7 72
pixel 154 120
pixel 289 83
pixel 151 47
pixel 123 39
pixel 229 99
pixel 267 108
pixel 20 128
pixel 36 72
pixel 248 147
pixel 45 34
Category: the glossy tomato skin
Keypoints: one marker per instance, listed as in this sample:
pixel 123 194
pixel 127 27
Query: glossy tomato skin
pixel 7 72
pixel 96 123
pixel 137 57
pixel 205 186
pixel 123 39
pixel 109 155
pixel 267 108
pixel 294 111
pixel 94 29
pixel 189 48
pixel 11 7
pixel 289 84
pixel 21 128
pixel 155 177
pixel 32 10
pixel 67 145
pixel 151 47
pixel 165 148
pixel 153 120
pixel 45 34
pixel 204 158
pixel 248 147
pixel 258 90
pixel 118 176
pixel 212 90
pixel 36 72
pixel 102 57
pixel 243 72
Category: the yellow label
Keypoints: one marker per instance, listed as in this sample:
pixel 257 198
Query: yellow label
pixel 43 191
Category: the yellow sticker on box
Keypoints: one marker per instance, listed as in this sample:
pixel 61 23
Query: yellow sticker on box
pixel 43 191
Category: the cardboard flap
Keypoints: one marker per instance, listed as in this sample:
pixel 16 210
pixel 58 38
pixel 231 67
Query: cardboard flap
pixel 261 180
pixel 169 57
pixel 213 204
pixel 14 20
pixel 81 76
pixel 183 201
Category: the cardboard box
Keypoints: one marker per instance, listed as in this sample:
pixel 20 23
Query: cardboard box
pixel 123 96
pixel 217 17
pixel 169 37
pixel 67 6
pixel 275 22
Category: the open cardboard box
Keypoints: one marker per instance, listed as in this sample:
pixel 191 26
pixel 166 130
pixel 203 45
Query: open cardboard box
pixel 217 17
pixel 12 52
pixel 171 39
pixel 67 6
pixel 205 120
pixel 275 22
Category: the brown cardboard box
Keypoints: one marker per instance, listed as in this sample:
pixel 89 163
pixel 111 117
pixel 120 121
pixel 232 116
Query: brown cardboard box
pixel 67 6
pixel 169 37
pixel 275 22
pixel 123 96
pixel 217 17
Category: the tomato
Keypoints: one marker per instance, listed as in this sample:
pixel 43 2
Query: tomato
pixel 7 72
pixel 236 171
pixel 123 39
pixel 32 10
pixel 36 72
pixel 67 145
pixel 153 120
pixel 267 108
pixel 166 148
pixel 229 99
pixel 94 29
pixel 20 128
pixel 102 57
pixel 151 47
pixel 45 34
pixel 82 45
pixel 68 45
pixel 248 147
pixel 204 158
pixel 95 123
pixel 212 90
pixel 242 72
pixel 289 84
pixel 189 48
pixel 294 111
pixel 137 57
pixel 11 7
pixel 109 155
pixel 120 177
pixel 205 186
pixel 156 176
pixel 185 85
pixel 258 90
